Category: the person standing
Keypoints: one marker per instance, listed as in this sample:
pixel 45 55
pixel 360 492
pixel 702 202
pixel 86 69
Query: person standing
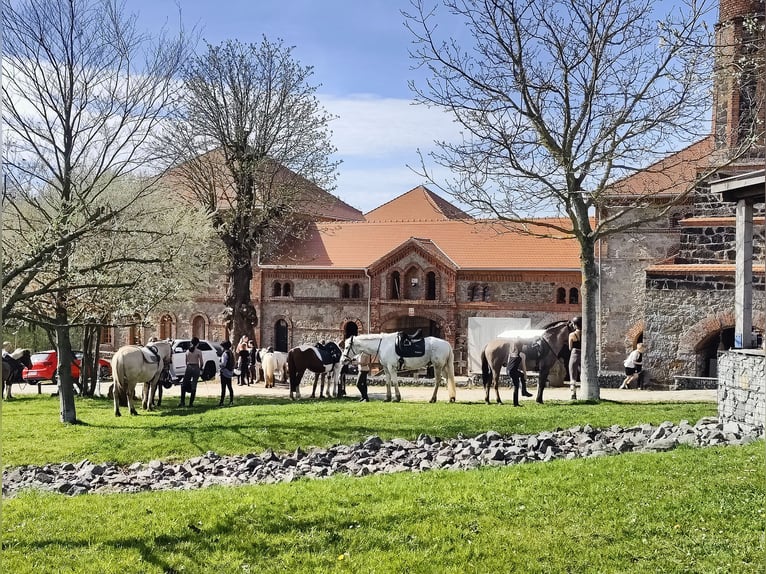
pixel 517 370
pixel 633 367
pixel 575 358
pixel 361 381
pixel 194 363
pixel 227 372
pixel 253 356
pixel 243 362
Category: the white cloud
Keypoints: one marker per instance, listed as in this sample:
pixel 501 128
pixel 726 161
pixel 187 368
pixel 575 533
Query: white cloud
pixel 377 138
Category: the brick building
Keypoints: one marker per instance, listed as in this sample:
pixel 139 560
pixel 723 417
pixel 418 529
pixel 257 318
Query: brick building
pixel 419 262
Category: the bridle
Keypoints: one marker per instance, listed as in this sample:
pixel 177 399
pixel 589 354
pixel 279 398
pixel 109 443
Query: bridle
pixel 348 353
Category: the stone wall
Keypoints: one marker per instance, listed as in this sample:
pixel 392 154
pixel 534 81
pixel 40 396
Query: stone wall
pixel 742 387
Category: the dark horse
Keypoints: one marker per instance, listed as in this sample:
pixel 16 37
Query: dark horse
pixel 13 368
pixel 317 359
pixel 552 346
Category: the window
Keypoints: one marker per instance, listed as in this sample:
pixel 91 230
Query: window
pixel 356 291
pixel 574 296
pixel 396 285
pixel 198 327
pixel 287 290
pixel 345 291
pixel 431 285
pixel 106 335
pixel 166 327
pixel 277 292
pixel 561 296
pixel 485 293
pixel 471 292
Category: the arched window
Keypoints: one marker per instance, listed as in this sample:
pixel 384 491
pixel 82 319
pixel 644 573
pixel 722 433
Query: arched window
pixel 345 291
pixel 166 327
pixel 396 285
pixel 198 327
pixel 561 296
pixel 431 285
pixel 356 291
pixel 574 296
pixel 471 292
pixel 277 292
pixel 485 293
pixel 287 290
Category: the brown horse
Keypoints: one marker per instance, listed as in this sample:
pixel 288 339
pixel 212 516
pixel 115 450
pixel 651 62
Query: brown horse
pixel 132 365
pixel 553 346
pixel 306 358
pixel 494 357
pixel 12 373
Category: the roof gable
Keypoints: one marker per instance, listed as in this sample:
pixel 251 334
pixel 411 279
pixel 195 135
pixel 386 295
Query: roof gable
pixel 418 204
pixel 427 248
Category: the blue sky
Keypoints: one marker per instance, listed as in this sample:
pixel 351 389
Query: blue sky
pixel 359 51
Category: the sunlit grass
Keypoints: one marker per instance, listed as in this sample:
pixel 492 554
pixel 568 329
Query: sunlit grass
pixel 32 433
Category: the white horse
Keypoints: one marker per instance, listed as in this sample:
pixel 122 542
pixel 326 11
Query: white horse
pixel 134 364
pixel 273 362
pixel 382 349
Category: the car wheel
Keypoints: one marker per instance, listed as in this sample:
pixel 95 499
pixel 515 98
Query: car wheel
pixel 208 372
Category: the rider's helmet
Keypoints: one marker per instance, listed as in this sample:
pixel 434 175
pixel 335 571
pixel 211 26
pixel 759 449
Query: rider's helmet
pixel 577 322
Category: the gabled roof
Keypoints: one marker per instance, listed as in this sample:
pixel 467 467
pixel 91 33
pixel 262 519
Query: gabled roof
pixel 672 175
pixel 418 204
pixel 209 170
pixel 472 244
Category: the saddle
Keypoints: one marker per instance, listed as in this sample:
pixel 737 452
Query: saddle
pixel 151 354
pixel 328 353
pixel 409 345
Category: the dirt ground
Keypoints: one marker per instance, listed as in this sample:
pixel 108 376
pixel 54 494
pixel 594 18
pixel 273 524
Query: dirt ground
pixel 421 393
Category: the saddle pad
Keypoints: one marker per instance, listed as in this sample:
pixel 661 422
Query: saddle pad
pixel 329 354
pixel 406 347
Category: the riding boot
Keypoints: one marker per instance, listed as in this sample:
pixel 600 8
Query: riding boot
pixel 524 391
pixel 361 384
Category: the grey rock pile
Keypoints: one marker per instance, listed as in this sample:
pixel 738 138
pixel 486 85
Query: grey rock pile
pixel 374 456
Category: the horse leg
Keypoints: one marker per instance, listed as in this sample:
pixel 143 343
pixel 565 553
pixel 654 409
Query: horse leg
pixel 437 380
pixel 388 385
pixel 544 369
pixel 395 378
pixel 515 390
pixel 496 381
pixel 314 388
pixel 129 399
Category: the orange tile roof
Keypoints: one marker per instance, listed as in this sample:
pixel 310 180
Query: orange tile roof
pixel 671 175
pixel 704 268
pixel 476 244
pixel 418 204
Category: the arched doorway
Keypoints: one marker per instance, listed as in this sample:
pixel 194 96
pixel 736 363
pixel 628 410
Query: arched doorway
pixel 281 336
pixel 707 351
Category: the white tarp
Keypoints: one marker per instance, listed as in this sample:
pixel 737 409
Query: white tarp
pixel 481 330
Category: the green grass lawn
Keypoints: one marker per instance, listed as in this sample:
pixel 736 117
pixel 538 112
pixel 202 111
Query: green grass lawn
pixel 688 510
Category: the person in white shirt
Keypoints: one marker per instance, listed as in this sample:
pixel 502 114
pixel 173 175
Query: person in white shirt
pixel 633 366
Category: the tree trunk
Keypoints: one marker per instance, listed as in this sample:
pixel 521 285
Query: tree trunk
pixel 68 413
pixel 243 317
pixel 589 389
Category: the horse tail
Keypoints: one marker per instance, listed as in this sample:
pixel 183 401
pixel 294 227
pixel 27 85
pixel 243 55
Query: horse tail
pixel 486 373
pixel 293 371
pixel 450 366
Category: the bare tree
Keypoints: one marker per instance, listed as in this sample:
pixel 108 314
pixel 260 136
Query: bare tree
pixel 84 95
pixel 257 152
pixel 559 99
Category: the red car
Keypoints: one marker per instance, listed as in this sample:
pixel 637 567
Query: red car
pixel 44 367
